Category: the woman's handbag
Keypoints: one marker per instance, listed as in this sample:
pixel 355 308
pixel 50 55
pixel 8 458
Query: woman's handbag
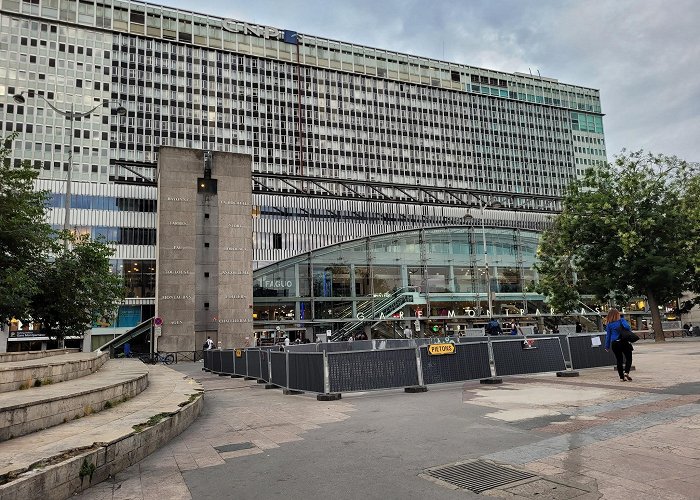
pixel 626 335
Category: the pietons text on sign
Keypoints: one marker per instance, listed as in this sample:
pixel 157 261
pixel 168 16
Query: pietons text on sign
pixel 436 349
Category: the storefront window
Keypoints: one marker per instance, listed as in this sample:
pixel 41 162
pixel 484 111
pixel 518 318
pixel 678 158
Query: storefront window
pixel 333 310
pixel 386 279
pixel 332 281
pixel 439 279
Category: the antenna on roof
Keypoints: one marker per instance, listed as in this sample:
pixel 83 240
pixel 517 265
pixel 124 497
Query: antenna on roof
pixel 538 73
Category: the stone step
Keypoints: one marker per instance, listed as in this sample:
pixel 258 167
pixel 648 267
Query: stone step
pixel 15 375
pixel 25 355
pixel 23 412
pixel 47 464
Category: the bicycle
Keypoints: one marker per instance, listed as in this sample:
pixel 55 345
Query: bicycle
pixel 157 357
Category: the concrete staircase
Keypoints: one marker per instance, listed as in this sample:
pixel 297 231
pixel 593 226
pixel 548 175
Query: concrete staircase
pixel 74 419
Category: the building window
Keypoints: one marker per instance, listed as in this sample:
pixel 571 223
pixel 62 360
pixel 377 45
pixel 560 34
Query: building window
pixel 277 241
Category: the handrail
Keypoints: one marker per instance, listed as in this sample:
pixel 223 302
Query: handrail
pixel 393 302
pixel 126 336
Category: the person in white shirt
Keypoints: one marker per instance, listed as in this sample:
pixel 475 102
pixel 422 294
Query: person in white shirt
pixel 407 332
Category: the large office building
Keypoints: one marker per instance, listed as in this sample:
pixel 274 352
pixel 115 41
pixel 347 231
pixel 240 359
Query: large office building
pixel 347 142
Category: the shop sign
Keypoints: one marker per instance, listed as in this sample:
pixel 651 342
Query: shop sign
pixel 437 349
pixel 239 353
pixel 26 334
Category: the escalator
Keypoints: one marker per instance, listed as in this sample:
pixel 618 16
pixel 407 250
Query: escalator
pixel 387 306
pixel 145 328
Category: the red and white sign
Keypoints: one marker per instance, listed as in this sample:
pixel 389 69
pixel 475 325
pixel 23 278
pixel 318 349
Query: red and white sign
pixel 158 321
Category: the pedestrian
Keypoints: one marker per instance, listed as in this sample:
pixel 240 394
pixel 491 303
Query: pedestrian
pixel 535 330
pixel 493 327
pixel 621 348
pixel 515 329
pixel 696 331
pixel 686 330
pixel 209 344
pixel 407 332
pixel 579 327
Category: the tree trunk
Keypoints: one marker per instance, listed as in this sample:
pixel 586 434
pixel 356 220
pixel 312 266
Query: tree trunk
pixel 655 318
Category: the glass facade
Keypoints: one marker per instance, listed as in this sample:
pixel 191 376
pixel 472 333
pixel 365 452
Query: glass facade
pixel 418 274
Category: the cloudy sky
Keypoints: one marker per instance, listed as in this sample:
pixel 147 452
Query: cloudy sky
pixel 643 55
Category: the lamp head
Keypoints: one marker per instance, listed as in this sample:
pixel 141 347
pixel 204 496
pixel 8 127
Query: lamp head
pixel 121 111
pixel 19 98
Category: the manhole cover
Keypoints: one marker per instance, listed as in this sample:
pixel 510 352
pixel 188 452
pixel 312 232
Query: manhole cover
pixel 234 447
pixel 477 475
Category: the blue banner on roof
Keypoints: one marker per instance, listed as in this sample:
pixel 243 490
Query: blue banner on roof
pixel 291 37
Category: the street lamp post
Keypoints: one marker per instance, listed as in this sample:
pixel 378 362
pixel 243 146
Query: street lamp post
pixel 70 115
pixel 482 208
pixel 486 261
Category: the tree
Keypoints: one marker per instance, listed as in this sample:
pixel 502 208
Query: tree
pixel 25 237
pixel 64 289
pixel 626 229
pixel 76 287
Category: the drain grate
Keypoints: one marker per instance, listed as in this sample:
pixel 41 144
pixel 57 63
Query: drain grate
pixel 477 475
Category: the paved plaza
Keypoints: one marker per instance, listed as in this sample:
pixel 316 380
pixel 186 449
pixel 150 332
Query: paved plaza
pixel 586 437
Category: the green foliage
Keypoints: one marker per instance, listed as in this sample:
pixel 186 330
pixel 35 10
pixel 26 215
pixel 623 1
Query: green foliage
pixel 86 469
pixel 25 237
pixel 76 287
pixel 64 287
pixel 627 229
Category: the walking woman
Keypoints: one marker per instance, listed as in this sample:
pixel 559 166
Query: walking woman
pixel 619 347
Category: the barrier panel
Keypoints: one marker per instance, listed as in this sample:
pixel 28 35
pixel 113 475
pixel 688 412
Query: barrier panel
pixel 207 360
pixel 216 361
pixel 367 370
pixel 585 355
pixel 227 361
pixel 240 364
pixel 397 343
pixel 279 368
pixel 253 362
pixel 564 339
pixel 301 348
pixel 472 332
pixel 511 358
pixel 361 345
pixel 264 367
pixel 333 346
pixel 470 361
pixel 468 340
pixel 306 372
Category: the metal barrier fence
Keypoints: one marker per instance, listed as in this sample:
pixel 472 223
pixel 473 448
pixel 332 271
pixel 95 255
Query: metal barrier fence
pixel 343 366
pixel 240 363
pixel 278 365
pixel 367 370
pixel 253 362
pixel 227 361
pixel 305 372
pixel 586 352
pixel 470 361
pixel 514 357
